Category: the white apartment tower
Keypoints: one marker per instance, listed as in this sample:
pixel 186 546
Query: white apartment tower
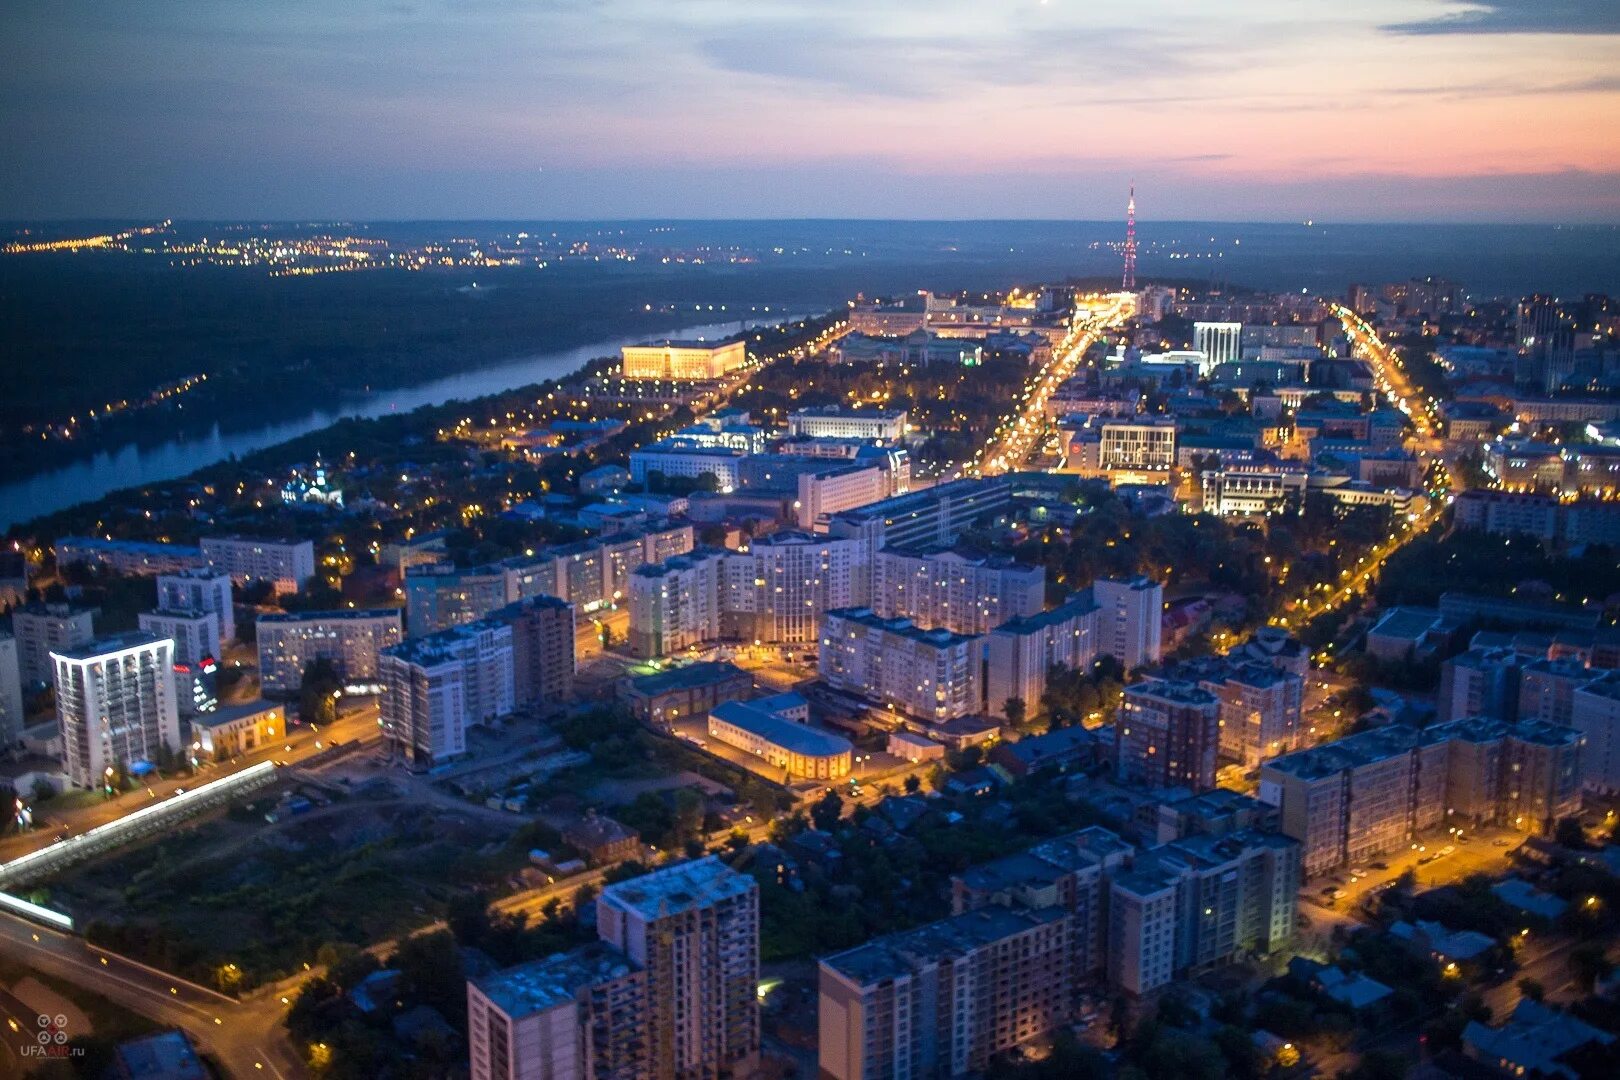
pixel 1129 620
pixel 116 702
pixel 203 589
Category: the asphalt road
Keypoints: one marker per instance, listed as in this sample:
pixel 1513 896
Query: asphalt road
pixel 246 1037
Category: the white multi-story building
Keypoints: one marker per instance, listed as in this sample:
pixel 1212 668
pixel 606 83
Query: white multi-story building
pixel 116 703
pixel 42 629
pixel 1596 715
pixel 1146 447
pixel 683 361
pixel 821 495
pixel 593 574
pixel 11 697
pixel 436 686
pixel 350 639
pixel 933 675
pixel 675 604
pixel 1373 792
pixel 834 422
pixel 1252 490
pixel 1022 650
pixel 202 589
pixel 1129 620
pixel 1222 342
pixel 195 634
pixel 285 564
pixel 969 592
pixel 694 929
pixel 777 589
pixel 672 458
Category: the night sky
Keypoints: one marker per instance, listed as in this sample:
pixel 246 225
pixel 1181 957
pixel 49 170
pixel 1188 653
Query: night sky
pixel 1504 110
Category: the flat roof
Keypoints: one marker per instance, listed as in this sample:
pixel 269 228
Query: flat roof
pixel 113 643
pixel 939 636
pixel 683 887
pixel 544 984
pixel 702 673
pixel 347 614
pixel 909 951
pixel 787 734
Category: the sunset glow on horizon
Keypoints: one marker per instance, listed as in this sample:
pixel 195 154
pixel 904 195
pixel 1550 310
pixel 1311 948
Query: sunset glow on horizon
pixel 1259 110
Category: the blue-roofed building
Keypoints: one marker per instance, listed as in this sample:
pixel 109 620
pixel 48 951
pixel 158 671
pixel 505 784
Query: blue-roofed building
pixel 786 744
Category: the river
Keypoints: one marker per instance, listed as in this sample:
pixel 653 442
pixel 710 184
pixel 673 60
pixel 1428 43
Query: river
pixel 133 466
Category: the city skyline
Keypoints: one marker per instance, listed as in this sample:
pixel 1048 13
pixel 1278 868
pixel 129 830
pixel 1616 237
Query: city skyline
pixel 1495 111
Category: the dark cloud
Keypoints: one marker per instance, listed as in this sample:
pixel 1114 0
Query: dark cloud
pixel 1521 17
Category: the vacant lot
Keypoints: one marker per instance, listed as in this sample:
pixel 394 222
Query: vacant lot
pixel 237 890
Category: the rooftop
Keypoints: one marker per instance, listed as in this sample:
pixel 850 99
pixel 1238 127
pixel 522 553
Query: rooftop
pixel 1535 1039
pixel 114 643
pixel 917 501
pixel 909 951
pixel 1078 604
pixel 543 984
pixel 345 614
pixel 938 637
pixel 787 734
pixel 683 887
pixel 702 673
pixel 229 714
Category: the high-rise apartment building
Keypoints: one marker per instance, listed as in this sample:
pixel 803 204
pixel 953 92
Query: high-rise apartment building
pixel 1021 651
pixel 1595 713
pixel 1129 620
pixel 593 574
pixel 42 629
pixel 1167 735
pixel 933 675
pixel 199 590
pixel 1547 690
pixel 1480 682
pixel 1361 796
pixel 675 604
pixel 543 643
pixel 578 1015
pixel 1260 709
pixel 351 639
pixel 115 700
pixel 439 596
pixel 11 695
pixel 434 687
pixel 694 929
pixel 965 591
pixel 1072 872
pixel 285 564
pixel 574 1016
pixel 779 586
pixel 196 635
pixel 946 997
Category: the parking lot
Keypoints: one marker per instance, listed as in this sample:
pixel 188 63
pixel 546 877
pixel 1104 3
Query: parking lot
pixel 1435 860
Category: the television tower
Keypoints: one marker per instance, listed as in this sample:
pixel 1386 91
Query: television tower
pixel 1130 242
